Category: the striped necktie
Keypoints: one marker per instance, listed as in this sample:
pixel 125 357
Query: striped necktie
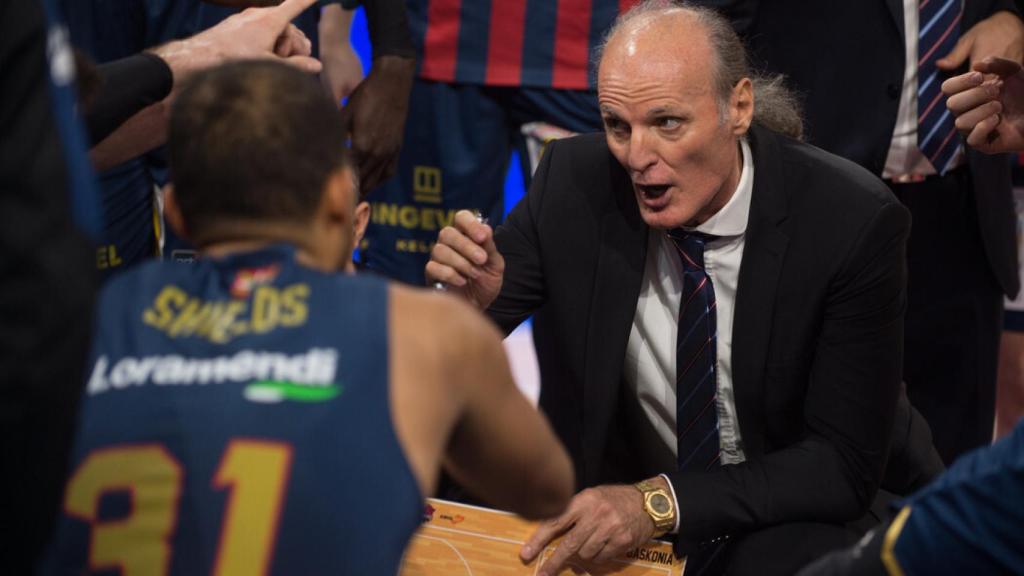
pixel 939 29
pixel 696 354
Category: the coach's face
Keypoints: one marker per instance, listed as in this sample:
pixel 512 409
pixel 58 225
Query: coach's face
pixel 664 123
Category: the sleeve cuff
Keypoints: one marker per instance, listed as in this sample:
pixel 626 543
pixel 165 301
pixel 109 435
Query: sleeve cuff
pixel 675 500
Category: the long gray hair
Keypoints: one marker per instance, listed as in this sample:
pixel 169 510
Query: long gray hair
pixel 775 106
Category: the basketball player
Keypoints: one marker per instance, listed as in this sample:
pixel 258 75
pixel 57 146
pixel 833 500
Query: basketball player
pixel 258 412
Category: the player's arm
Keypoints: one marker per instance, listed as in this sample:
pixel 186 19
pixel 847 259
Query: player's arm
pixel 342 69
pixel 451 380
pixel 502 447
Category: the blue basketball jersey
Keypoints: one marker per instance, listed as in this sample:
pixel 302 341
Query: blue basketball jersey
pixel 236 421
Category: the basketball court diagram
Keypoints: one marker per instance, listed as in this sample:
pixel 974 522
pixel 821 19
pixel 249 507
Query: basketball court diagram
pixel 461 540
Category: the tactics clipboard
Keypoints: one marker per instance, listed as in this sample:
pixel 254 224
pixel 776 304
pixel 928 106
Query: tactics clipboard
pixel 461 540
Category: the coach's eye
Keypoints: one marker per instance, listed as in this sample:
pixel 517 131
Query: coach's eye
pixel 616 126
pixel 669 122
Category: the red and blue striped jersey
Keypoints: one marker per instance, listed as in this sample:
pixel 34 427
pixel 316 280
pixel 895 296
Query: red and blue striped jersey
pixel 534 43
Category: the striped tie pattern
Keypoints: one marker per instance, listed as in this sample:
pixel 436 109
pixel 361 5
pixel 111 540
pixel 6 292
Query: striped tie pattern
pixel 696 354
pixel 938 33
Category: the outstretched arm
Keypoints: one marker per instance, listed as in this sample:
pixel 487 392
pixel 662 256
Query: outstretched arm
pixel 453 397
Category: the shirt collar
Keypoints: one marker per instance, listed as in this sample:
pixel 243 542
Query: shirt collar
pixel 731 220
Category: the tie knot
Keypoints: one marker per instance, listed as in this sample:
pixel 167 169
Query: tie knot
pixel 690 246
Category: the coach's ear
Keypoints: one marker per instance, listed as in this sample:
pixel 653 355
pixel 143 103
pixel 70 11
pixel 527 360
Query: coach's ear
pixel 172 213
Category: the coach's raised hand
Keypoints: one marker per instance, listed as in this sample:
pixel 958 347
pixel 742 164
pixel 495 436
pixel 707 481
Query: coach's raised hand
pixel 250 34
pixel 989 105
pixel 466 259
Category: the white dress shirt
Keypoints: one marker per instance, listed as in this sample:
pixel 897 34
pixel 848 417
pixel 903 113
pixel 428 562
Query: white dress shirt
pixel 650 364
pixel 905 158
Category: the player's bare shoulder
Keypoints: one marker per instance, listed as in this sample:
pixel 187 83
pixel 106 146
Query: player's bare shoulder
pixel 443 326
pixel 440 352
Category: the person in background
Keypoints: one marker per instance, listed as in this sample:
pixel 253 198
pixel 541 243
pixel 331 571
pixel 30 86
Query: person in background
pixel 133 169
pixel 965 522
pixel 968 520
pixel 869 74
pixel 47 284
pixel 344 392
pixel 487 71
pixel 988 103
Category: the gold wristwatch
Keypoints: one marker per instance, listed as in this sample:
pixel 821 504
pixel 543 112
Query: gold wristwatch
pixel 659 506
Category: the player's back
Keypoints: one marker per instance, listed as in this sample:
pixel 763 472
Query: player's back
pixel 236 421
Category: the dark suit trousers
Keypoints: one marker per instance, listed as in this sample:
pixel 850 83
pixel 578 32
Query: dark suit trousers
pixel 785 549
pixel 954 314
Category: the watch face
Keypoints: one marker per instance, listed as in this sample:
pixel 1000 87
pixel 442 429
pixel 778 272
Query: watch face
pixel 660 504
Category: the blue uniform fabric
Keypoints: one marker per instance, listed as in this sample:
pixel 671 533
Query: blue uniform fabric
pixel 113 29
pixel 460 132
pixel 301 362
pixel 455 154
pixel 969 521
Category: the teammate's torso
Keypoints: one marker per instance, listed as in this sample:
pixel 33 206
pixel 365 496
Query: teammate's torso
pixel 236 421
pixel 535 43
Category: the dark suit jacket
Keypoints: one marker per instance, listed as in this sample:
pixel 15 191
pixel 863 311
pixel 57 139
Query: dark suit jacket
pixel 818 329
pixel 846 60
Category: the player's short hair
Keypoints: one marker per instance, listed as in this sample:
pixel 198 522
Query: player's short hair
pixel 254 141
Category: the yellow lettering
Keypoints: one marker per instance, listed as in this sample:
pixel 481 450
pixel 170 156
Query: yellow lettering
pixel 106 257
pixel 223 327
pixel 293 304
pixel 190 319
pixel 205 326
pixel 178 315
pixel 447 218
pixel 160 314
pixel 409 217
pixel 385 214
pixel 429 219
pixel 266 308
pixel 115 260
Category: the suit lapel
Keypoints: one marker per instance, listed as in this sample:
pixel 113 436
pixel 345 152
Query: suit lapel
pixel 763 254
pixel 620 265
pixel 896 9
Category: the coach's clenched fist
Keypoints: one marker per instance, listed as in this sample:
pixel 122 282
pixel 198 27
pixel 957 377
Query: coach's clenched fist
pixel 467 261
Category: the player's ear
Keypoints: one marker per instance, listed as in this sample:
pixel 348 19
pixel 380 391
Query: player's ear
pixel 339 195
pixel 362 219
pixel 172 212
